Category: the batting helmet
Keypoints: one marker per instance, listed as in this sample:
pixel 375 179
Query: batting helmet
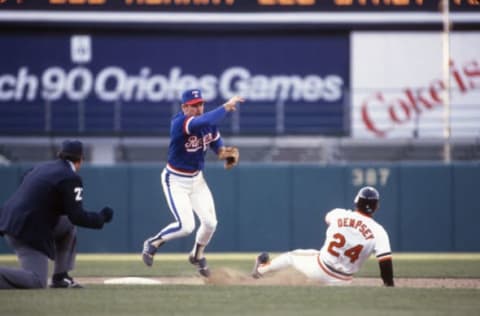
pixel 367 199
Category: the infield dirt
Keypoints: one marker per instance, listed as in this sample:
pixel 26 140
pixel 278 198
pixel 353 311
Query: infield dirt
pixel 228 276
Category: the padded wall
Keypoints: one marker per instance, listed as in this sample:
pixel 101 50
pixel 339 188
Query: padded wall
pixel 424 207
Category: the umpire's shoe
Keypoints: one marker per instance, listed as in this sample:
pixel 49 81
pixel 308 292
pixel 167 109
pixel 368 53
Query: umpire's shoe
pixel 148 252
pixel 261 259
pixel 201 265
pixel 64 281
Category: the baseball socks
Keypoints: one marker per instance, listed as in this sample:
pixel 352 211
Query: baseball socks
pixel 197 251
pixel 197 258
pixel 157 243
pixel 149 250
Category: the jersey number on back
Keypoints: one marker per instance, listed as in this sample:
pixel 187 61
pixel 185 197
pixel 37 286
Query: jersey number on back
pixel 352 253
pixel 78 193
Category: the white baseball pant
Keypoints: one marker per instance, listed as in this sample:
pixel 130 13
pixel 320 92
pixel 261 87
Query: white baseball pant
pixel 185 196
pixel 308 262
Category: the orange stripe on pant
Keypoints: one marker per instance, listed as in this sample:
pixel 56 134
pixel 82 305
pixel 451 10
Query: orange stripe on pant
pixel 332 273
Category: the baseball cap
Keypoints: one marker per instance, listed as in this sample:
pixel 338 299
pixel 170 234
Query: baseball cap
pixel 192 96
pixel 72 148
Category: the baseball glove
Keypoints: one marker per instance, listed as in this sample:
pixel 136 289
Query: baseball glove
pixel 231 155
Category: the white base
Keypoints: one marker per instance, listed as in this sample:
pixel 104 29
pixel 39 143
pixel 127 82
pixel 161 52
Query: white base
pixel 131 280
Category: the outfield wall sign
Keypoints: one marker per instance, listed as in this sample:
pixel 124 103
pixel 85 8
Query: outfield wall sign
pixel 399 86
pixel 306 79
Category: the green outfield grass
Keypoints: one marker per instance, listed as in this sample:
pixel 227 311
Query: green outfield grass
pixel 247 300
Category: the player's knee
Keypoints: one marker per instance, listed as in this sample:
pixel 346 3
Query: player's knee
pixel 187 228
pixel 211 225
pixel 38 282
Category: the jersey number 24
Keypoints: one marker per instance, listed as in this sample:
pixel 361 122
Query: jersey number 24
pixel 339 241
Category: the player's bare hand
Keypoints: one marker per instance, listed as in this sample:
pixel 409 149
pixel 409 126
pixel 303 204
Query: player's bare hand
pixel 231 105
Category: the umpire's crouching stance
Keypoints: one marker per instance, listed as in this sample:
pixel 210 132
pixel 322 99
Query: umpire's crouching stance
pixel 33 221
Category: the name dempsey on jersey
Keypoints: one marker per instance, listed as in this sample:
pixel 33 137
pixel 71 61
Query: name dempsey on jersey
pixel 357 224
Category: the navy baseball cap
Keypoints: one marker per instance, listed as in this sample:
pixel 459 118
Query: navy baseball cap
pixel 72 148
pixel 192 96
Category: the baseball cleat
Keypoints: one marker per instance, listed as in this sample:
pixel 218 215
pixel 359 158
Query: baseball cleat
pixel 148 252
pixel 64 281
pixel 261 259
pixel 201 265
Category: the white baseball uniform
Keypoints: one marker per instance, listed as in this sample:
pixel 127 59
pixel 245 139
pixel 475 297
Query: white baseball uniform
pixel 351 238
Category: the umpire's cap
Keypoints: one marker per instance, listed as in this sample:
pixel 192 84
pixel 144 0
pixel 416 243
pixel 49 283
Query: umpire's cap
pixel 192 96
pixel 71 150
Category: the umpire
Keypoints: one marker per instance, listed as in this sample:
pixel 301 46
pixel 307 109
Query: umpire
pixel 38 222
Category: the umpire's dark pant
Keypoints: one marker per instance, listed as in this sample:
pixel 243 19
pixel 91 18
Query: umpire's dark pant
pixel 34 264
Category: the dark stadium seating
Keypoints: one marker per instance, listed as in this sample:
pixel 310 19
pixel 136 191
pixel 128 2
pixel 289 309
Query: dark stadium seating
pixel 141 153
pixel 354 152
pixel 34 152
pixel 297 154
pixel 291 150
pixel 28 152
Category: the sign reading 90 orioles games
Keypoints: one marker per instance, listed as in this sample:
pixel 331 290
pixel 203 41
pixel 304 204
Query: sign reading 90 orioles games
pixel 301 90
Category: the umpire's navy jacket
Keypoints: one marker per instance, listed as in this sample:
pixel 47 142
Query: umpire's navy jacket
pixel 47 191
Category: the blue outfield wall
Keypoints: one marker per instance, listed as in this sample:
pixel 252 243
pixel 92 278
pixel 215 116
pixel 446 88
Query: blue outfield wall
pixel 424 207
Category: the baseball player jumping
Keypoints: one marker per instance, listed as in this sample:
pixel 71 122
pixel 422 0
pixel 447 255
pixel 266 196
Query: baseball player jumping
pixel 351 237
pixel 192 132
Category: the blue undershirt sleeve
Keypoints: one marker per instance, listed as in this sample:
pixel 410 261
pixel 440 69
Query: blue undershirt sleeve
pixel 209 118
pixel 215 146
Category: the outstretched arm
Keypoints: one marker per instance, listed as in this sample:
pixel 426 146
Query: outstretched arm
pixel 72 191
pixel 214 116
pixel 231 105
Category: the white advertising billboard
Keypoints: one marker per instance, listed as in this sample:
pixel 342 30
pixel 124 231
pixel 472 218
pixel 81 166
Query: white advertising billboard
pixel 398 84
